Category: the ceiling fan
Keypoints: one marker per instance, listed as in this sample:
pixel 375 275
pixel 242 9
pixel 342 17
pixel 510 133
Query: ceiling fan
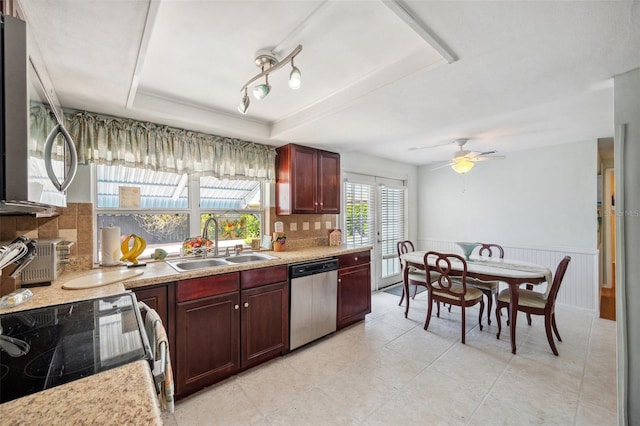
pixel 464 160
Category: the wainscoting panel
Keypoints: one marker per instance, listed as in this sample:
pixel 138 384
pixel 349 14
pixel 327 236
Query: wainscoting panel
pixel 580 286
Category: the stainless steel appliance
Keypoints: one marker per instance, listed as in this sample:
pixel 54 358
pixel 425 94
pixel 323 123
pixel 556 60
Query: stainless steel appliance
pixel 314 301
pixel 68 342
pixel 38 159
pixel 51 256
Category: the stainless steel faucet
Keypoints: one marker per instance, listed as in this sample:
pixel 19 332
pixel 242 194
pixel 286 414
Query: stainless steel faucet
pixel 205 234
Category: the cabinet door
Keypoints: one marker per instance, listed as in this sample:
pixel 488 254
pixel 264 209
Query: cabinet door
pixel 208 341
pixel 328 182
pixel 156 299
pixel 265 323
pixel 304 171
pixel 354 294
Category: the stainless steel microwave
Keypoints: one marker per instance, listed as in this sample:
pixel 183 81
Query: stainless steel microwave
pixel 39 159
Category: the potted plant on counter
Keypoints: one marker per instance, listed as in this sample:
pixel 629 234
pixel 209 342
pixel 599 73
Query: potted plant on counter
pixel 279 240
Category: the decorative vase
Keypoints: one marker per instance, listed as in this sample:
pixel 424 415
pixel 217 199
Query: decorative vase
pixel 468 248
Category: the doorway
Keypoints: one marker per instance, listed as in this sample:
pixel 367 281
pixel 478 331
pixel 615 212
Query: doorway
pixel 375 215
pixel 607 229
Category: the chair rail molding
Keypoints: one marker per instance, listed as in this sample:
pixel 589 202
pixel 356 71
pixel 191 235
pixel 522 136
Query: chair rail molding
pixel 580 286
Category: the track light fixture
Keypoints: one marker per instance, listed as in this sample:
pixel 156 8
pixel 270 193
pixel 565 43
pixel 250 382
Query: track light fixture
pixel 268 63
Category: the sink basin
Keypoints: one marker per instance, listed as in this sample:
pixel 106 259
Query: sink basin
pixel 243 258
pixel 190 265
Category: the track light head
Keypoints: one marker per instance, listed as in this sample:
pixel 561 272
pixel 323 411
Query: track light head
pixel 244 103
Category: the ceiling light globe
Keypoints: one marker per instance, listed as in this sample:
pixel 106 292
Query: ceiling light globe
pixel 261 90
pixel 295 79
pixel 244 104
pixel 462 166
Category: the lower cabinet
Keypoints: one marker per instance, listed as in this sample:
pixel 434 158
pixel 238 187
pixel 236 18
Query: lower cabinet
pixel 354 287
pixel 264 319
pixel 227 323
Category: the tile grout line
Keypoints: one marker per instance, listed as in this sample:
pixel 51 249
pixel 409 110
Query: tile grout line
pixel 584 370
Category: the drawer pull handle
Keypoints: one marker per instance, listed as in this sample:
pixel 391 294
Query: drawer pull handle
pixel 237 307
pixel 356 258
pixel 246 304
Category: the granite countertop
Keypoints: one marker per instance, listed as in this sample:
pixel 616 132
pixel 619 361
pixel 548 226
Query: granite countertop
pixel 119 396
pixel 125 394
pixel 160 272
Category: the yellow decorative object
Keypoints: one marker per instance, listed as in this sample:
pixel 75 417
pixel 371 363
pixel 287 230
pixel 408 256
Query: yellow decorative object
pixel 139 244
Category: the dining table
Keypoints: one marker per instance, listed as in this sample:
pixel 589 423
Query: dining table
pixel 512 272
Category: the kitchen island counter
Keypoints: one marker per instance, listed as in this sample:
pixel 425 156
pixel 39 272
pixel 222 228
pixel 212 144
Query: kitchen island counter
pixel 123 395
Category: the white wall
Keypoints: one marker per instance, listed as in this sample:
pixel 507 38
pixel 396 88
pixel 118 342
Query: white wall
pixel 627 111
pixel 376 166
pixel 540 205
pixel 538 198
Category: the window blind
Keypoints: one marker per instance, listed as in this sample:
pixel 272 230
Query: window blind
pixel 359 214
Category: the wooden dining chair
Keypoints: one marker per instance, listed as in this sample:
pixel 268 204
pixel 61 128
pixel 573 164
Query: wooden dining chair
pixel 537 303
pixel 416 277
pixel 489 288
pixel 450 286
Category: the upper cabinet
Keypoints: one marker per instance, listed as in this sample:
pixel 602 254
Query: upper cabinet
pixel 308 180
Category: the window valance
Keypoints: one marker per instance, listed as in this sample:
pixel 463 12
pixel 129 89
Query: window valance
pixel 110 140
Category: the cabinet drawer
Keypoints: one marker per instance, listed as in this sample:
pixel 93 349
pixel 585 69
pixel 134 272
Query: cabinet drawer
pixel 360 258
pixel 258 277
pixel 196 288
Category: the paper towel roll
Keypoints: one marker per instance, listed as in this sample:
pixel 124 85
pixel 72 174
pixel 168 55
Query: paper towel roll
pixel 110 243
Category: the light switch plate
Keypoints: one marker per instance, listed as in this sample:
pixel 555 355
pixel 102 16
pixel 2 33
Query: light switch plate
pixel 305 226
pixel 293 226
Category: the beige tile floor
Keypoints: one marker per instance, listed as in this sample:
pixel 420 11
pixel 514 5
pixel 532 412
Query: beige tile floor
pixel 387 370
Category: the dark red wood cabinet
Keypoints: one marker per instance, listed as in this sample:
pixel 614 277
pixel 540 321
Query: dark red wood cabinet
pixel 227 323
pixel 207 331
pixel 354 288
pixel 265 314
pixel 307 181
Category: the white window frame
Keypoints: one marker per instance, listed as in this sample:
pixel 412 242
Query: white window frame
pixel 193 209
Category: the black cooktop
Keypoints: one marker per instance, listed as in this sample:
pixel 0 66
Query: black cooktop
pixel 70 341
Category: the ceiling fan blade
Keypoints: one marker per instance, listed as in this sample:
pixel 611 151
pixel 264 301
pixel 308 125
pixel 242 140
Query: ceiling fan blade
pixel 415 148
pixel 442 166
pixel 487 152
pixel 488 157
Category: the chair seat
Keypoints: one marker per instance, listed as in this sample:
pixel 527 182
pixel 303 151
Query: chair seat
pixel 472 293
pixel 529 298
pixel 420 275
pixel 484 285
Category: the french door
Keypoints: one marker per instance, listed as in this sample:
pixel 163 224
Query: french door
pixel 375 215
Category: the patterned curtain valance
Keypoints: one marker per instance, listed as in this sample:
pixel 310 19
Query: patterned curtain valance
pixel 110 140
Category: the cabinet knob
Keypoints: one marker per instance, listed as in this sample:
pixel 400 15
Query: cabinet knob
pixel 322 204
pixel 246 304
pixel 339 280
pixel 237 307
pixel 356 258
pixel 315 204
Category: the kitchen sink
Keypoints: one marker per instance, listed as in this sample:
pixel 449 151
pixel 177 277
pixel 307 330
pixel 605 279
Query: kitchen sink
pixel 243 258
pixel 190 265
pixel 182 265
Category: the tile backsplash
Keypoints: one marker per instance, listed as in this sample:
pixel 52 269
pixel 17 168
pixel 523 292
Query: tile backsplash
pixel 75 223
pixel 305 230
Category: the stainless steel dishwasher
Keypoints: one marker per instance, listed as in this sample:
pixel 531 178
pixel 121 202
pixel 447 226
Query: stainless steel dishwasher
pixel 314 301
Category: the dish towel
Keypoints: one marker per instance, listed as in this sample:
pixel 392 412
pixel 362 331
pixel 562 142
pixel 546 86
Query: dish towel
pixel 157 337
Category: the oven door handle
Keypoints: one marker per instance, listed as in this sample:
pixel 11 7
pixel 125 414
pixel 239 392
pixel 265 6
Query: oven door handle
pixel 159 366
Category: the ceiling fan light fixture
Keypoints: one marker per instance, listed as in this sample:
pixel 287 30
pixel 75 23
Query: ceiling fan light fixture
pixel 266 60
pixel 462 166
